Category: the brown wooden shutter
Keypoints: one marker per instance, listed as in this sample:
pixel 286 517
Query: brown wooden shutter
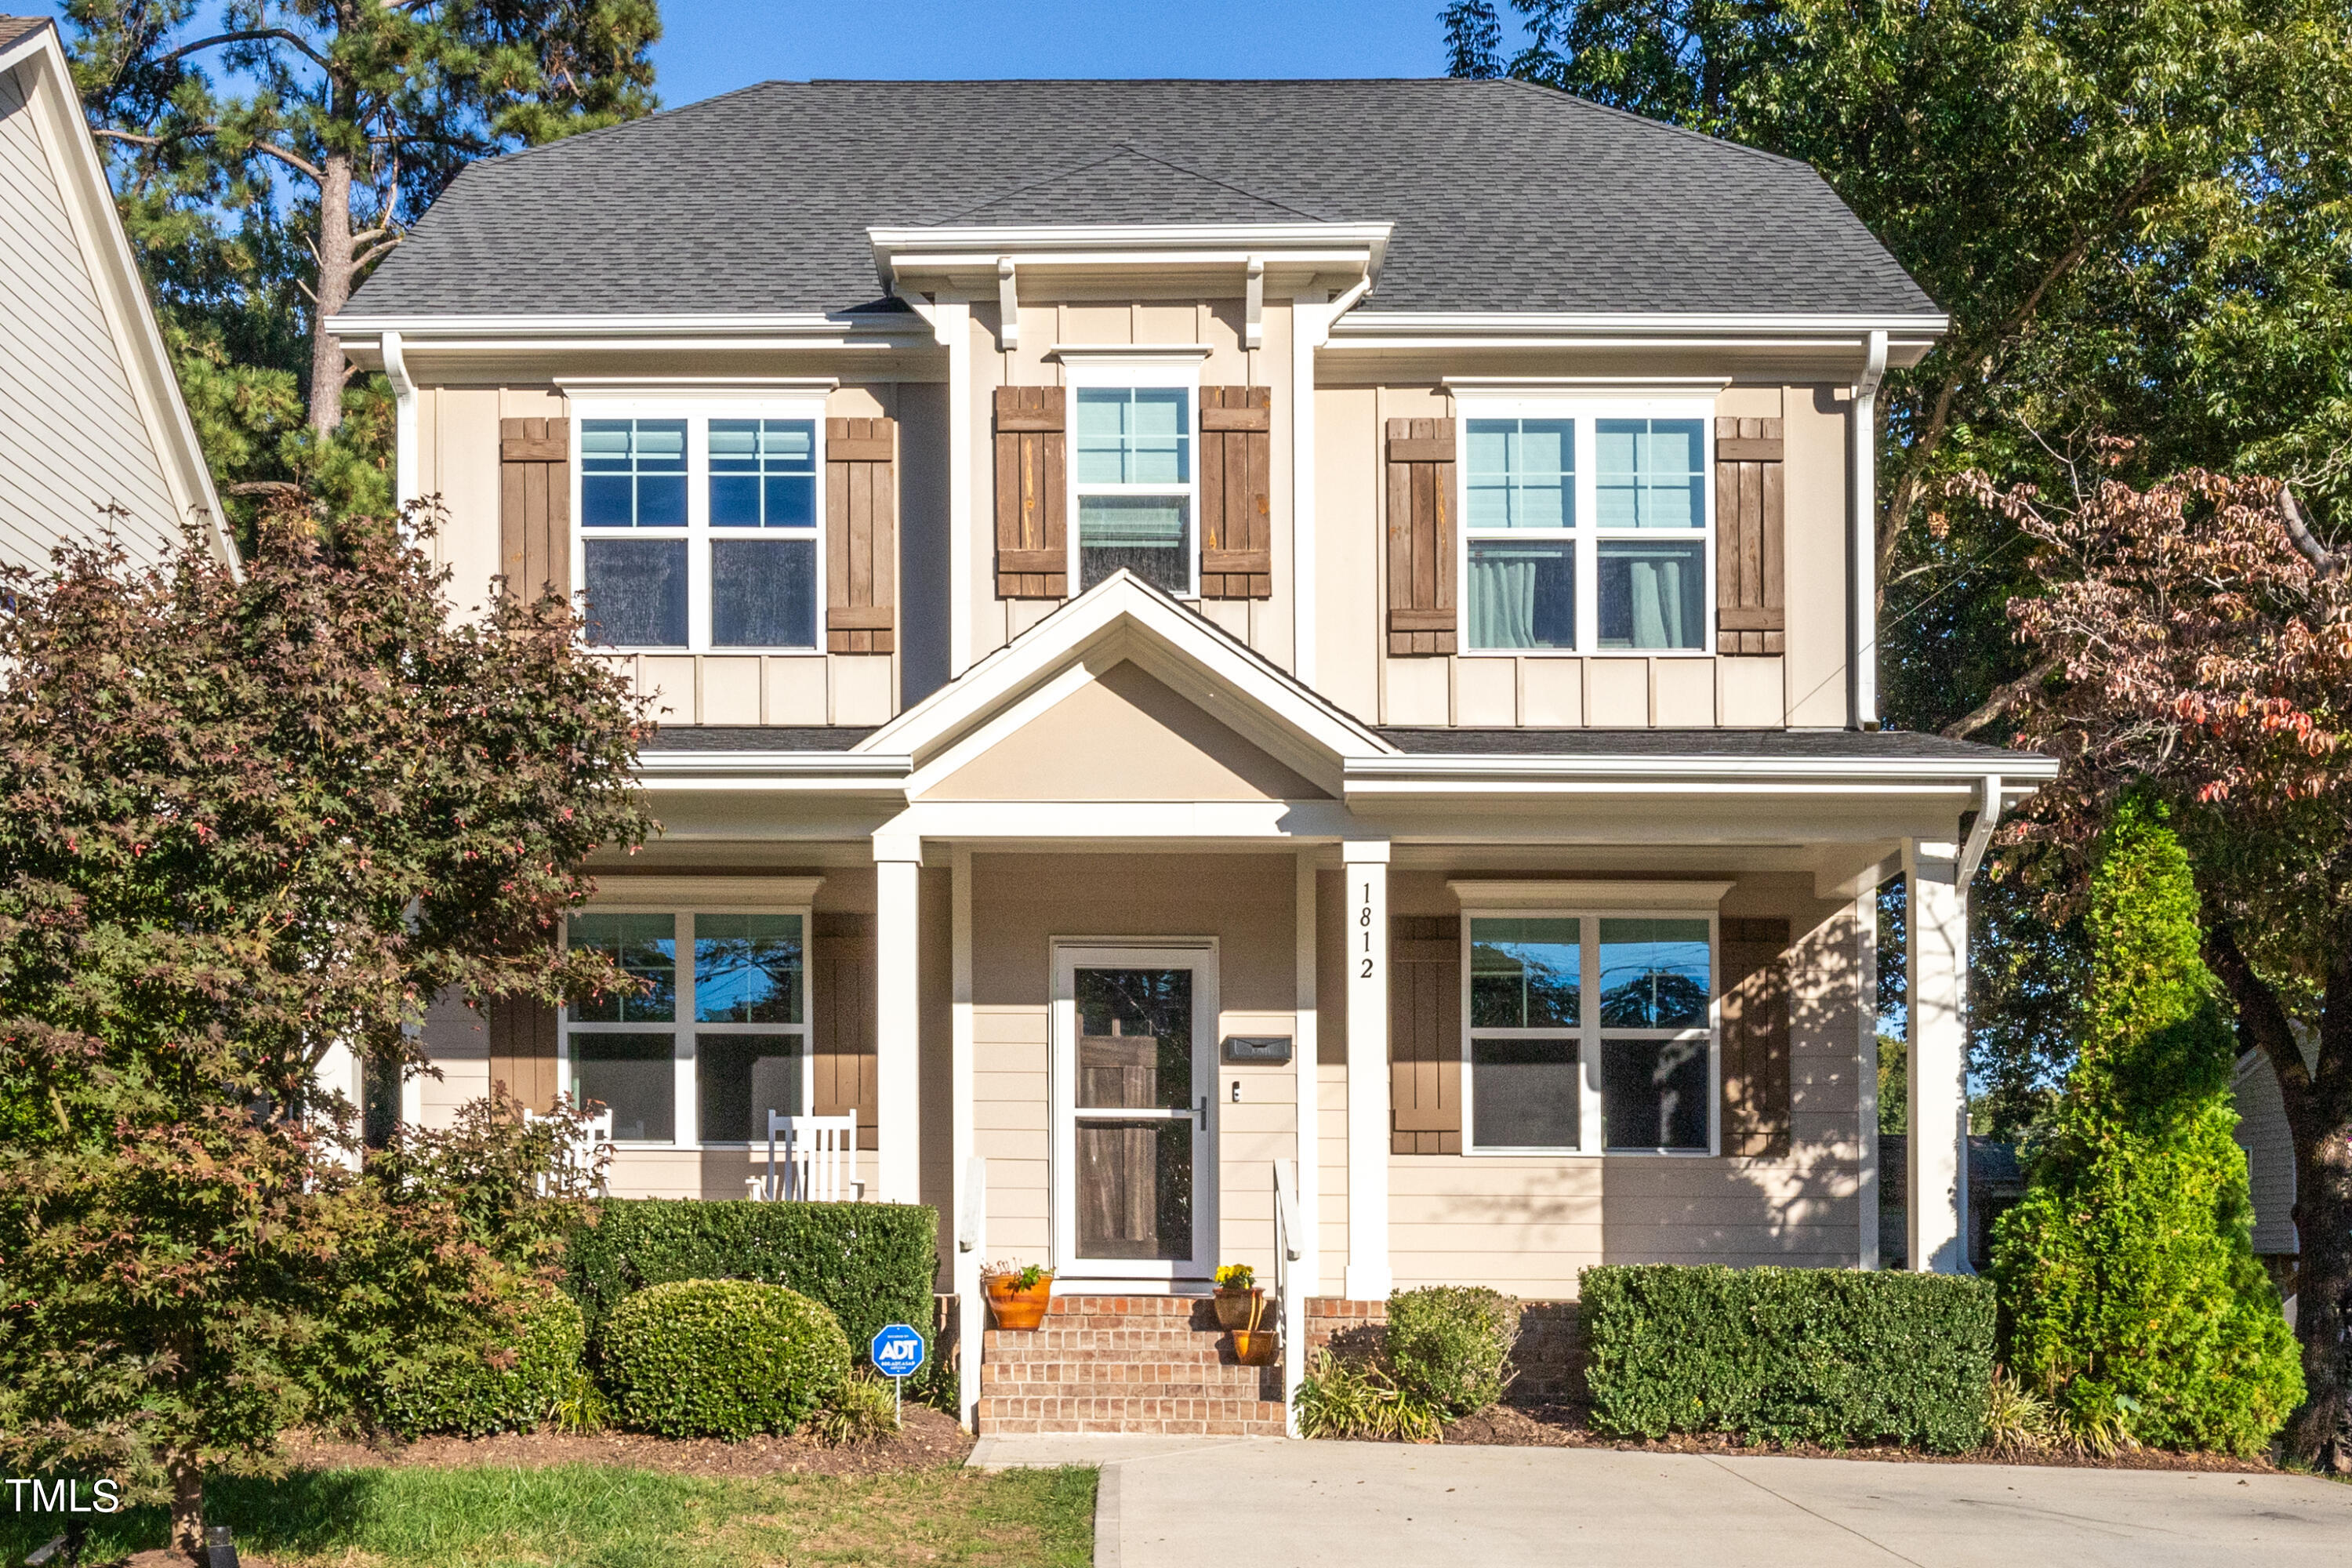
pixel 1755 1014
pixel 1421 536
pixel 1033 540
pixel 522 1048
pixel 535 506
pixel 1750 598
pixel 1236 492
pixel 841 981
pixel 1426 1034
pixel 861 535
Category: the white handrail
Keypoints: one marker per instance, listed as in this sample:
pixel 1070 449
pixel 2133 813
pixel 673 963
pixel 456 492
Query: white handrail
pixel 1286 1207
pixel 971 1319
pixel 1291 1301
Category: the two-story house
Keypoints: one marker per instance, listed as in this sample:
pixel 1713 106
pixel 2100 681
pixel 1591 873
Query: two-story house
pixel 1253 671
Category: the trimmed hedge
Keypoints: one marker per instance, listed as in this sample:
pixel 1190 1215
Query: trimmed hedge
pixel 456 1389
pixel 1449 1346
pixel 1792 1355
pixel 721 1358
pixel 868 1264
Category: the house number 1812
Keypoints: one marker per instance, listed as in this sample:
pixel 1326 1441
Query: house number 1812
pixel 1364 921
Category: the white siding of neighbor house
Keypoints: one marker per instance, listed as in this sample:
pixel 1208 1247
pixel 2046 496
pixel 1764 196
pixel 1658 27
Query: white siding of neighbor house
pixel 2263 1133
pixel 72 437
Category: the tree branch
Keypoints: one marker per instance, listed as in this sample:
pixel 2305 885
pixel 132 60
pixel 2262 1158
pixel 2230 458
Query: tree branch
pixel 271 150
pixel 136 140
pixel 2306 545
pixel 2002 700
pixel 251 35
pixel 375 251
pixel 2259 1017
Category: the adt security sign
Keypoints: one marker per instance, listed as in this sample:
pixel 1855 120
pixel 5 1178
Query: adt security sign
pixel 898 1353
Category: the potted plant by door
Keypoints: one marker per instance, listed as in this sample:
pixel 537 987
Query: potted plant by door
pixel 1255 1346
pixel 1017 1294
pixel 1238 1296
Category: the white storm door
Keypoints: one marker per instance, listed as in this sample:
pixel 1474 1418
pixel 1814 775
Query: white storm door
pixel 1134 1086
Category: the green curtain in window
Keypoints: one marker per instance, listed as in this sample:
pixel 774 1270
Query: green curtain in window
pixel 1502 600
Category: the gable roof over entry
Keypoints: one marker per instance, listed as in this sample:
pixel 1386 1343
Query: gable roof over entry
pixel 1504 197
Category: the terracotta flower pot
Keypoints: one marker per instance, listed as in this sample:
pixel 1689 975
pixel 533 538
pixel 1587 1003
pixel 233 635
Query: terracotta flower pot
pixel 1233 1306
pixel 1013 1307
pixel 1254 1348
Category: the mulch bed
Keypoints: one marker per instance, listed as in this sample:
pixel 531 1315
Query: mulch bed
pixel 1570 1427
pixel 928 1440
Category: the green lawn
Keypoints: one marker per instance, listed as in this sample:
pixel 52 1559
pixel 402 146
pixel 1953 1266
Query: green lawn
pixel 599 1517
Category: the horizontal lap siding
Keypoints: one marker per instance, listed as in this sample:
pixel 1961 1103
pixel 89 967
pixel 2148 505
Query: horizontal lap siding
pixel 1010 1096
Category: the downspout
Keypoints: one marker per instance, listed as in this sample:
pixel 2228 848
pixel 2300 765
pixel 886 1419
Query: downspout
pixel 404 421
pixel 1310 328
pixel 1861 563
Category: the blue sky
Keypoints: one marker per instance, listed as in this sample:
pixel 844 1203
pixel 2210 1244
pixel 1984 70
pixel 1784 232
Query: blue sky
pixel 713 46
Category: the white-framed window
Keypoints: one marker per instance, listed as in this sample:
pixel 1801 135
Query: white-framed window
pixel 1589 1032
pixel 1587 525
pixel 698 523
pixel 718 1039
pixel 1135 437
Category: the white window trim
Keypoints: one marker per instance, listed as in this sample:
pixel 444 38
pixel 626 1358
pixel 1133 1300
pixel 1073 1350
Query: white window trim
pixel 1587 535
pixel 686 1098
pixel 1588 1031
pixel 1137 367
pixel 698 412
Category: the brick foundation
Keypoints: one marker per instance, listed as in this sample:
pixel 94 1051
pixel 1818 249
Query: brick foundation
pixel 1548 1362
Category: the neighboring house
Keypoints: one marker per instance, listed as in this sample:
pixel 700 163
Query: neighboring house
pixel 90 415
pixel 2269 1143
pixel 1217 628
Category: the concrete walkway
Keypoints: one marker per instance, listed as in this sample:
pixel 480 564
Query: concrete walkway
pixel 1167 1502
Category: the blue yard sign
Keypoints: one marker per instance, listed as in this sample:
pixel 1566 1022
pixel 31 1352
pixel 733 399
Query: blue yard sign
pixel 898 1351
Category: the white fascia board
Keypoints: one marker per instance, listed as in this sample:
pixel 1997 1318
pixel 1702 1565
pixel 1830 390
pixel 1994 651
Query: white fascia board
pixel 1424 770
pixel 1357 246
pixel 123 288
pixel 1058 821
pixel 835 773
pixel 1005 674
pixel 1640 324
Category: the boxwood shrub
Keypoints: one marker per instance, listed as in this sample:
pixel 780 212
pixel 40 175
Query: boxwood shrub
pixel 1793 1355
pixel 1449 1346
pixel 720 1358
pixel 464 1389
pixel 869 1264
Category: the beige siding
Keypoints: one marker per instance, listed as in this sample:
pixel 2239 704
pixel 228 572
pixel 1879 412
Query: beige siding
pixel 1010 1099
pixel 456 1042
pixel 75 437
pixel 457 460
pixel 1807 686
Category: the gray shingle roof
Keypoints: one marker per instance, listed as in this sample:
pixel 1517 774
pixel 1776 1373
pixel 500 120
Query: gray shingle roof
pixel 1504 197
pixel 14 27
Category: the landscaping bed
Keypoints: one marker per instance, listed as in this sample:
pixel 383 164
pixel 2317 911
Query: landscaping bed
pixel 1570 1427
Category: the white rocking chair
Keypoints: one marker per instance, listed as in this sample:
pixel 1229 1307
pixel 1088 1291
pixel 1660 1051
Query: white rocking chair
pixel 818 1163
pixel 578 1156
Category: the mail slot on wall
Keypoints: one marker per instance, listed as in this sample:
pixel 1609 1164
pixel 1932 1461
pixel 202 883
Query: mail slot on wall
pixel 1267 1049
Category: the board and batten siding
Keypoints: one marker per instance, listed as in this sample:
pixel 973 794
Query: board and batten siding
pixel 459 442
pixel 76 439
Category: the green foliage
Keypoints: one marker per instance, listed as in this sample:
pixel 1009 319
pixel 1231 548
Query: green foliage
pixel 869 1264
pixel 720 1358
pixel 509 1380
pixel 1348 1396
pixel 2017 1419
pixel 1449 1346
pixel 1790 1355
pixel 2130 1293
pixel 246 823
pixel 864 1409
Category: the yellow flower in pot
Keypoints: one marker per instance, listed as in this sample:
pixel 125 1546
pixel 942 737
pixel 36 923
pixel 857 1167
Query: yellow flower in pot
pixel 1018 1294
pixel 1238 1296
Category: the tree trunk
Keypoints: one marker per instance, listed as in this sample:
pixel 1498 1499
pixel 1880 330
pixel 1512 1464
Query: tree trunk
pixel 188 1507
pixel 334 291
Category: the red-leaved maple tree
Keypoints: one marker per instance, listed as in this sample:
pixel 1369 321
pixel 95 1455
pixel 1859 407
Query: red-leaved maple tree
pixel 2202 640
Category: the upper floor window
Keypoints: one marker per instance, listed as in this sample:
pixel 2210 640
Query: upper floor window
pixel 1586 525
pixel 1133 477
pixel 697 528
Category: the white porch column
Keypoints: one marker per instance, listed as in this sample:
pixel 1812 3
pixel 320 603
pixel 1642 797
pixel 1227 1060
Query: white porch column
pixel 1866 1006
pixel 1366 868
pixel 1307 1140
pixel 969 1215
pixel 898 955
pixel 1935 911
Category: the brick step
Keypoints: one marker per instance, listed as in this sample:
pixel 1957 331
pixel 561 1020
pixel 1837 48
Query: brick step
pixel 1101 1347
pixel 1125 1363
pixel 1112 1383
pixel 1174 1416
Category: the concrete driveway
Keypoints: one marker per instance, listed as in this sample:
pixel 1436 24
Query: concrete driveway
pixel 1170 1501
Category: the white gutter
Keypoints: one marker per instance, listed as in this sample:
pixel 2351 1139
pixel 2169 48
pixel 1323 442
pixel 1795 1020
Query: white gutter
pixel 1861 772
pixel 1809 328
pixel 404 420
pixel 424 328
pixel 1862 551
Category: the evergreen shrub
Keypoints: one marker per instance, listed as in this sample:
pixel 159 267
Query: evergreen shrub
pixel 720 1358
pixel 509 1380
pixel 1831 1356
pixel 868 1264
pixel 1449 1346
pixel 2131 1297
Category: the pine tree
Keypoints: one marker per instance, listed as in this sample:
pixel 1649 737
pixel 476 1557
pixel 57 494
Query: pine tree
pixel 2130 1288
